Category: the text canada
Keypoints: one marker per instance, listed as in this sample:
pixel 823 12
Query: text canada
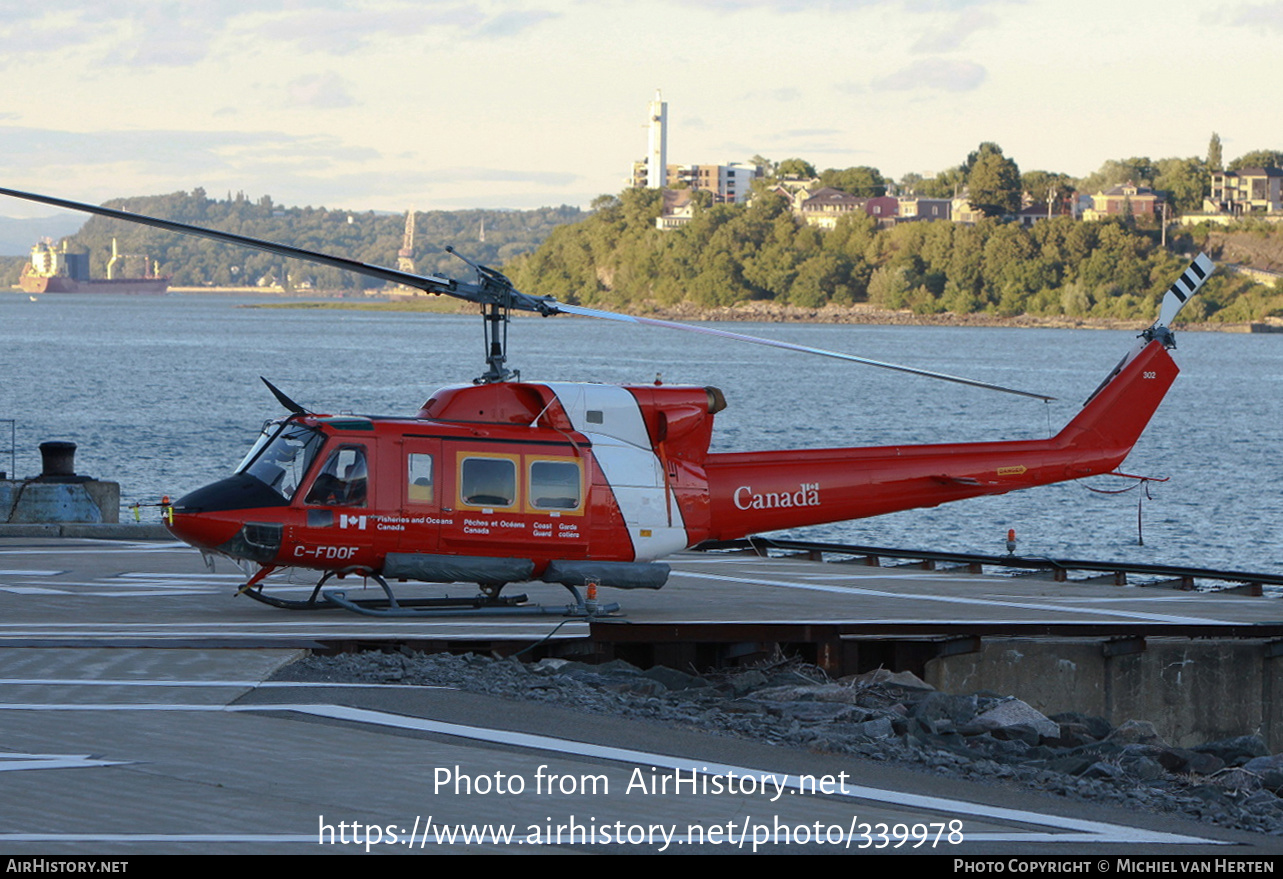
pixel 807 495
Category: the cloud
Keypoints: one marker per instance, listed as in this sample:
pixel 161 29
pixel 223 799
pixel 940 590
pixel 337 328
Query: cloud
pixel 503 175
pixel 179 154
pixel 780 94
pixel 811 132
pixel 952 5
pixel 320 91
pixel 952 34
pixel 1268 15
pixel 155 34
pixel 170 35
pixel 508 24
pixel 934 73
pixel 116 32
pixel 839 6
pixel 347 28
pixel 787 6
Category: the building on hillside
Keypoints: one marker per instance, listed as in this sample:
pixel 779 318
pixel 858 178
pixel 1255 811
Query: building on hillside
pixel 913 207
pixel 961 210
pixel 1246 191
pixel 825 206
pixel 679 209
pixel 1141 201
pixel 649 173
pixel 1032 210
pixel 885 209
pixel 730 184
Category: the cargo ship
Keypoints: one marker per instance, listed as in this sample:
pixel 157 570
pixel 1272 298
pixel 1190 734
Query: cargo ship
pixel 54 270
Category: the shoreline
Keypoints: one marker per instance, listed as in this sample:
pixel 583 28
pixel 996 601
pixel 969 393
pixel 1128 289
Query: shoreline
pixel 761 311
pixel 771 312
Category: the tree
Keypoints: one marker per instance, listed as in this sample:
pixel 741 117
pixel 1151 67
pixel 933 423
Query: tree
pixel 993 181
pixel 1214 152
pixel 1188 181
pixel 945 184
pixel 861 180
pixel 1040 184
pixel 1138 169
pixel 1258 159
pixel 795 168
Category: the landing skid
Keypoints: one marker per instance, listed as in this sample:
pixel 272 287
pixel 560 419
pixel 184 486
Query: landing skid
pixel 488 603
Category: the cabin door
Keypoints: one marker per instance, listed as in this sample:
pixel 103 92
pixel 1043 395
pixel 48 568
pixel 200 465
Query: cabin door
pixel 421 490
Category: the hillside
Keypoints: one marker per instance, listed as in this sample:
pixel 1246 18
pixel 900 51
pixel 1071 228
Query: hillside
pixel 617 258
pixel 365 236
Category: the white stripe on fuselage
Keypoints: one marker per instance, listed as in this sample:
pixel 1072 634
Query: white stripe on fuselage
pixel 621 446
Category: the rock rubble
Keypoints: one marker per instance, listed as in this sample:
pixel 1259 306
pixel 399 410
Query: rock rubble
pixel 881 716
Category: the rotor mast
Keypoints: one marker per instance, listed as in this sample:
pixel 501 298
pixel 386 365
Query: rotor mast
pixel 495 318
pixel 495 308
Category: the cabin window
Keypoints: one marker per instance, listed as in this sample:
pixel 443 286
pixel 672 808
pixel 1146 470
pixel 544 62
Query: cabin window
pixel 488 482
pixel 555 485
pixel 343 481
pixel 419 479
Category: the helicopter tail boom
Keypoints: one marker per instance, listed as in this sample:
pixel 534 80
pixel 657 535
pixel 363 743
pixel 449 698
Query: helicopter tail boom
pixel 753 492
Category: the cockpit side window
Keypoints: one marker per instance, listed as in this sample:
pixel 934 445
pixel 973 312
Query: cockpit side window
pixel 281 460
pixel 344 479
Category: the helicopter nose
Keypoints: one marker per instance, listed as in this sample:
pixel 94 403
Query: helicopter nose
pixel 229 534
pixel 205 531
pixel 232 516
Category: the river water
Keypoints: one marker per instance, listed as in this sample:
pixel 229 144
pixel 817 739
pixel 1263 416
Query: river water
pixel 162 395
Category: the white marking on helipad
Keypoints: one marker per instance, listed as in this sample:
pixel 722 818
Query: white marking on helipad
pixel 235 626
pixel 1077 830
pixel 952 599
pixel 20 762
pixel 309 838
pixel 940 577
pixel 127 682
pixel 100 550
pixel 153 575
pixel 1059 829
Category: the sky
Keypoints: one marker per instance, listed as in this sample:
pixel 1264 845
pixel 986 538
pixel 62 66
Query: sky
pixel 387 105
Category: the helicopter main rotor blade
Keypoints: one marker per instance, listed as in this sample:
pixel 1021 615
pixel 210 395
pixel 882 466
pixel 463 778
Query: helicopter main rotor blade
pixel 428 283
pixel 283 399
pixel 489 292
pixel 789 346
pixel 493 290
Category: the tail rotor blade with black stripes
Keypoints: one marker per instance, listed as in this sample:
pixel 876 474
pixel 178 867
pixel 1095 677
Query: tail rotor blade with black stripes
pixel 1184 289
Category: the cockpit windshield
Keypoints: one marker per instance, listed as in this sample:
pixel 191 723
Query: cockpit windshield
pixel 282 455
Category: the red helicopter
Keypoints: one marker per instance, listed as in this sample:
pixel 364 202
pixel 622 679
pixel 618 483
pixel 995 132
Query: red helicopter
pixel 504 481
